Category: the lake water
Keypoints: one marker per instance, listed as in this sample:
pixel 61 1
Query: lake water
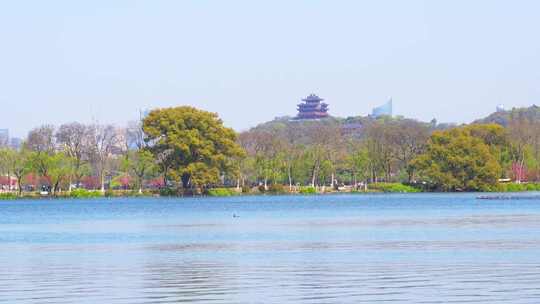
pixel 415 248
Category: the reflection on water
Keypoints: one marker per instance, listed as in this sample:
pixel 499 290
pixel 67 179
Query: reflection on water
pixel 333 249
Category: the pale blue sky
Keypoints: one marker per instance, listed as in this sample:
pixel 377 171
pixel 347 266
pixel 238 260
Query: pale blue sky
pixel 251 61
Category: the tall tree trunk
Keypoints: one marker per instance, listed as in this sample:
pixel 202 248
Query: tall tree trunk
pixel 290 178
pixel 102 177
pixel 313 175
pixel 19 184
pixel 519 176
pixel 53 188
pixel 165 171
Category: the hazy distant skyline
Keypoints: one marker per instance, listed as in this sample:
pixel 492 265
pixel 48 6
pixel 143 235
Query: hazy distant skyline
pixel 251 61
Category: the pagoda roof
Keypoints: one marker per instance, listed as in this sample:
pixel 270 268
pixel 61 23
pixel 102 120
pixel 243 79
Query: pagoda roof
pixel 312 98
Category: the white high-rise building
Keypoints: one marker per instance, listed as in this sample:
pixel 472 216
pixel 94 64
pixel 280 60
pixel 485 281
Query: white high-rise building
pixel 384 110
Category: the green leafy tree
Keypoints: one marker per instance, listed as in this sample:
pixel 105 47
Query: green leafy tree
pixel 497 138
pixel 41 165
pixel 194 144
pixel 141 164
pixel 456 160
pixel 62 168
pixel 357 162
pixel 4 168
pixel 18 163
pixel 6 156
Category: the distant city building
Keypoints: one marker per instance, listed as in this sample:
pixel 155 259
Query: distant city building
pixel 312 108
pixel 15 143
pixel 4 137
pixel 500 108
pixel 384 110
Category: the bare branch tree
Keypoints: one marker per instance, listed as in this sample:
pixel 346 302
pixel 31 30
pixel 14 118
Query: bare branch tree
pixel 103 139
pixel 41 139
pixel 75 141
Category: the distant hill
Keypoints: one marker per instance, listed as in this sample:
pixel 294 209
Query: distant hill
pixel 349 122
pixel 502 118
pixel 353 125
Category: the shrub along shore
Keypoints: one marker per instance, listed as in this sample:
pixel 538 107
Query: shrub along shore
pixel 271 190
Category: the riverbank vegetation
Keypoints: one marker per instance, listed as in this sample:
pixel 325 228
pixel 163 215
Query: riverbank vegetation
pixel 186 151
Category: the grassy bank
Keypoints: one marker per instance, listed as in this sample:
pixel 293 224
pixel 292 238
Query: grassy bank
pixel 392 188
pixel 270 190
pixel 8 196
pixel 77 194
pixel 222 192
pixel 513 187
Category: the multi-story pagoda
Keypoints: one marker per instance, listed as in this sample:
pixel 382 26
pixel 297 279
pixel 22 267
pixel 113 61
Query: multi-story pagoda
pixel 312 108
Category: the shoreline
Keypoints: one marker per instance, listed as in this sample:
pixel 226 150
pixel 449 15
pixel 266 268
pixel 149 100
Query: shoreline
pixel 510 195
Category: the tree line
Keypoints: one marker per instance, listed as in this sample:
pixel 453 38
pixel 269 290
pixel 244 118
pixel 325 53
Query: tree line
pixel 74 155
pixel 184 149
